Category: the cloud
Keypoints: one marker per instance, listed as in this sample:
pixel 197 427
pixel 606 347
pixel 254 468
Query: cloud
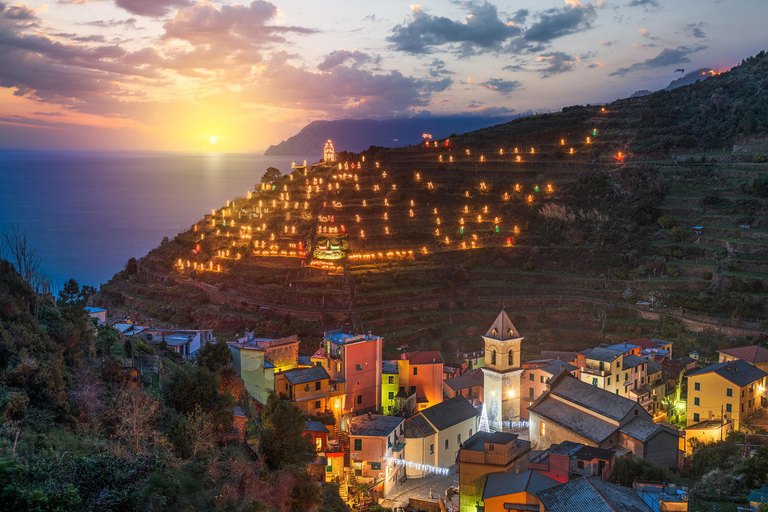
pixel 647 35
pixel 558 62
pixel 696 30
pixel 474 104
pixel 481 31
pixel 645 4
pixel 152 8
pixel 608 44
pixel 667 57
pixel 130 22
pixel 341 91
pixel 555 23
pixel 504 87
pixel 21 12
pixel 437 68
pixel 338 57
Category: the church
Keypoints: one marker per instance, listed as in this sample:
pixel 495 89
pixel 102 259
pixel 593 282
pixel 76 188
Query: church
pixel 502 372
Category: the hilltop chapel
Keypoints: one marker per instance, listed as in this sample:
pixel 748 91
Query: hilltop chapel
pixel 502 372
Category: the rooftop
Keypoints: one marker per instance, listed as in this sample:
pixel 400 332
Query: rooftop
pixel 739 372
pixel 417 427
pixel 90 309
pixel 754 354
pixel 389 367
pixel 641 429
pixel 604 354
pixel 565 448
pixel 376 426
pixel 343 338
pixel 590 494
pixel 427 357
pixel 592 452
pixel 502 328
pixel 599 400
pixel 450 412
pixel 632 360
pixel 707 425
pixel 304 375
pixel 575 420
pixel 477 442
pixel 503 484
pixel 470 379
pixel 315 426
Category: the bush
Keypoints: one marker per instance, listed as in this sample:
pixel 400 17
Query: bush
pixel 759 158
pixel 678 234
pixel 529 265
pixel 667 221
pixel 633 469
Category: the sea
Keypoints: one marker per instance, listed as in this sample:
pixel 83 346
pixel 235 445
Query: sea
pixel 87 214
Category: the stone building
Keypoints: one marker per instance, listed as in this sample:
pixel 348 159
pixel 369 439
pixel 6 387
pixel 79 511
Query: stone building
pixel 502 372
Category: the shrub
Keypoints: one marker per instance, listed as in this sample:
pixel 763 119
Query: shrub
pixel 678 234
pixel 667 221
pixel 759 158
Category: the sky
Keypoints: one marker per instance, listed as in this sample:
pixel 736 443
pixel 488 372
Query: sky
pixel 180 75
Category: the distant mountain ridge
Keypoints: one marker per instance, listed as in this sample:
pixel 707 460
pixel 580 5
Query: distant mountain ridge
pixel 359 134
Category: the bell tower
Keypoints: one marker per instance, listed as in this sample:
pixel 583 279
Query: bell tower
pixel 502 372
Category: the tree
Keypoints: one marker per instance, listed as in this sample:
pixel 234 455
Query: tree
pixel 15 246
pixel 754 470
pixel 282 440
pixel 186 388
pixel 87 393
pixel 667 221
pixel 678 233
pixel 202 430
pixel 137 412
pixel 633 469
pixel 71 296
pixel 214 356
pixel 271 175
pixel 332 501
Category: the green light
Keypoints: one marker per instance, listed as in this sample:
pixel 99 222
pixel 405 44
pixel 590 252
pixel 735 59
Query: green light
pixel 497 229
pixel 536 188
pixel 594 132
pixel 461 230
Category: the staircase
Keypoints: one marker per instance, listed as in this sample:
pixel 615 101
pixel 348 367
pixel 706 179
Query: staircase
pixel 343 438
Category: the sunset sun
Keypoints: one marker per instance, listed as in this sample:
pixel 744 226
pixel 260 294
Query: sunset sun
pixel 212 140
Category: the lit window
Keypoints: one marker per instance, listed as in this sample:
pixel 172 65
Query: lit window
pixel 542 429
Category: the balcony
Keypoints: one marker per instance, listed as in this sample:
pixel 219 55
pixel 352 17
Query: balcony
pixel 590 370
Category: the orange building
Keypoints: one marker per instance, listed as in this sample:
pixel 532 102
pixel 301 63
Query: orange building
pixel 422 373
pixel 354 359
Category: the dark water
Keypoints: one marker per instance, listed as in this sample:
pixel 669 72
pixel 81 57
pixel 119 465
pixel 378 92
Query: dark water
pixel 88 213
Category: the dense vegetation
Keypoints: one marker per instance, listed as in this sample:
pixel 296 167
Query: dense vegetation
pixel 80 430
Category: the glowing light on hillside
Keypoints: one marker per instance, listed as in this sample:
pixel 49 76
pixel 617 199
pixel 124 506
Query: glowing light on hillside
pixel 501 151
pixel 519 159
pixel 562 142
pixel 482 158
pixel 410 213
pixel 447 240
pixel 529 199
pixel 516 230
pixel 467 151
pixel 550 188
pixel 386 230
pixel 589 140
pixel 506 196
pixel 571 151
pixel 418 176
pixel 533 150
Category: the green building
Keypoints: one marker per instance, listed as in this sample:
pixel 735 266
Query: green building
pixel 473 360
pixel 258 375
pixel 390 382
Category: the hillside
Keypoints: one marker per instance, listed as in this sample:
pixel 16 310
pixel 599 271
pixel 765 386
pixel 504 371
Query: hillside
pixel 358 134
pixel 568 219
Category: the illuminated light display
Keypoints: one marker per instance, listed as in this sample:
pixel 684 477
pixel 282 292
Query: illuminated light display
pixel 386 203
pixel 430 185
pixel 516 151
pixel 386 216
pixel 535 188
pixel 418 176
pixel 594 132
pixel 384 174
pixel 562 142
pixel 386 230
pixel 571 151
pixel 466 209
pixel 402 253
pixel 412 203
pixel 410 213
pixel 377 165
pixel 467 151
pixel 482 158
pixel 450 158
pixel 485 209
pixel 550 188
pixel 328 249
pixel 516 230
pixel 529 199
pixel 589 140
pixel 394 187
pixel 466 194
pixel 438 221
pixel 505 196
pixel 365 203
pixel 434 211
pixel 440 158
pixel 357 218
pixel 447 241
pixel 424 250
pixel 479 218
pixel 437 232
pixel 533 151
pixel 501 151
pixel 461 221
pixel 483 186
pixel 518 159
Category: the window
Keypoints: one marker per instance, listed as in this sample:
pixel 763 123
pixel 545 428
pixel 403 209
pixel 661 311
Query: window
pixel 286 386
pixel 696 401
pixel 317 404
pixel 542 429
pixel 458 438
pixel 359 399
pixel 391 395
pixel 470 432
pixel 359 367
pixel 318 385
pixel 530 375
pixel 455 393
pixel 376 466
pixel 742 393
pixel 642 380
pixel 319 364
pixel 391 379
pixel 594 381
pixel 490 447
pixel 413 389
pixel 608 381
pixel 697 386
pixel 728 408
pixel 580 464
pixel 695 417
pixel 511 358
pixel 728 392
pixel 542 379
pixel 626 376
pixel 415 370
pixel 530 392
pixel 446 444
pixel 358 444
pixel 742 407
pixel 493 357
pixel 431 449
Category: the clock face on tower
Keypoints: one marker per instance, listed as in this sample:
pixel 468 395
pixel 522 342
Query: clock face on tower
pixel 507 382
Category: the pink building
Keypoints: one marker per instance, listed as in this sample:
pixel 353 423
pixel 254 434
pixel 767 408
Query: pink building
pixel 534 380
pixel 354 359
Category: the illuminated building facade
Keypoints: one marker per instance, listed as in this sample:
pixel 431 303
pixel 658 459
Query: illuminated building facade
pixel 329 154
pixel 502 371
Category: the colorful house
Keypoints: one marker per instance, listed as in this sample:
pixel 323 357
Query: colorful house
pixel 390 383
pixel 590 493
pixel 376 447
pixel 755 355
pixel 515 491
pixel 726 391
pixel 257 374
pixel 435 435
pixel 310 388
pixel 356 360
pixel 422 373
pixel 470 386
pixel 535 377
pixel 483 454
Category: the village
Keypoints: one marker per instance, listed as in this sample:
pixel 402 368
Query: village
pixel 487 430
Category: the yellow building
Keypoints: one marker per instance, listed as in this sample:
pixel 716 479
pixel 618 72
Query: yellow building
pixel 390 380
pixel 515 491
pixel 725 391
pixel 310 388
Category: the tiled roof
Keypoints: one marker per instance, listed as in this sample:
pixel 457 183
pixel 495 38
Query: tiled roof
pixel 590 494
pixel 754 354
pixel 502 328
pixel 465 381
pixel 739 372
pixel 304 375
pixel 575 420
pixel 428 357
pixel 592 452
pixel 593 398
pixel 565 448
pixel 502 484
pixel 417 426
pixel 555 366
pixel 315 426
pixel 641 429
pixel 604 354
pixel 450 412
pixel 389 367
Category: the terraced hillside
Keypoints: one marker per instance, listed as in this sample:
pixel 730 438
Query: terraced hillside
pixel 568 219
